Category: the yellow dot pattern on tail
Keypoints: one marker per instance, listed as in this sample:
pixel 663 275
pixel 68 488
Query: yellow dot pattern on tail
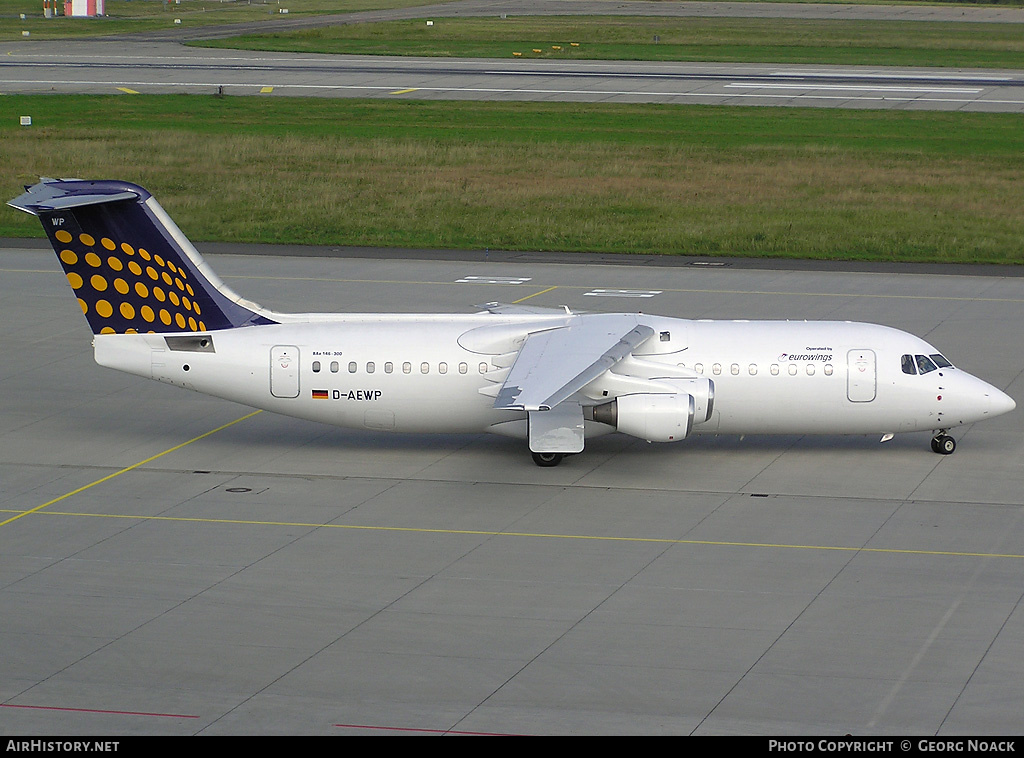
pixel 131 268
pixel 124 290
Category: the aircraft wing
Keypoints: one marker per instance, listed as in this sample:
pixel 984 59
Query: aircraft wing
pixel 538 310
pixel 555 363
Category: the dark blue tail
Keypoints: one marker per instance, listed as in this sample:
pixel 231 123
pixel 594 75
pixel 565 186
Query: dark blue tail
pixel 130 266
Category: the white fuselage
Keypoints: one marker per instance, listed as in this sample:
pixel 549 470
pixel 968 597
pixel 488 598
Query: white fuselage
pixel 440 373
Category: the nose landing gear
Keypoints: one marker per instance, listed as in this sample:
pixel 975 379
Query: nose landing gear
pixel 943 444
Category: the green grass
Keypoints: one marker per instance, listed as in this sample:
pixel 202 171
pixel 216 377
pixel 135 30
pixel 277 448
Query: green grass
pixel 127 16
pixel 890 43
pixel 837 184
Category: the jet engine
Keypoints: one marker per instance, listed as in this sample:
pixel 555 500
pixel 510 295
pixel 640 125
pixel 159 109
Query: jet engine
pixel 649 416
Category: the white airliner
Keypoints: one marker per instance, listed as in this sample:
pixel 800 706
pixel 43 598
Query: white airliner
pixel 549 376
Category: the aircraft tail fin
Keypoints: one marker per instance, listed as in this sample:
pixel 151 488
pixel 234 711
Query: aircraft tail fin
pixel 131 267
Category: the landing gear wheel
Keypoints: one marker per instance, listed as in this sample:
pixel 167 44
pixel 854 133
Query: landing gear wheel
pixel 547 460
pixel 943 444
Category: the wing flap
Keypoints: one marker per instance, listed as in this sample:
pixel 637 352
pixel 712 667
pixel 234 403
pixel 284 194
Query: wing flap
pixel 554 364
pixel 559 430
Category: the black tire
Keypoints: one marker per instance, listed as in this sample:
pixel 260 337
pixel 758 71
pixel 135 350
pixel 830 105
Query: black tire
pixel 547 460
pixel 947 445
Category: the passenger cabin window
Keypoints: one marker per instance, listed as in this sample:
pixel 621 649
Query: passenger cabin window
pixel 352 367
pixel 463 368
pixel 316 367
pixel 407 368
pixel 442 368
pixel 908 364
pixel 334 367
pixel 370 367
pixel 389 367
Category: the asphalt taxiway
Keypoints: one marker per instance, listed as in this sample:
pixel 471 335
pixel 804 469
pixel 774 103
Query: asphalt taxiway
pixel 172 564
pixel 157 63
pixel 132 67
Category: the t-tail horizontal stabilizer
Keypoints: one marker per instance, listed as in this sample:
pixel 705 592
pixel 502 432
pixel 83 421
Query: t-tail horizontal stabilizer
pixel 131 267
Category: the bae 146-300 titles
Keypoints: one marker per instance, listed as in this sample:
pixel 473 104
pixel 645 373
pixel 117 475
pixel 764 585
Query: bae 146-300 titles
pixel 551 377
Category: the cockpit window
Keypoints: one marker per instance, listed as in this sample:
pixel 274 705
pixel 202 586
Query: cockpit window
pixel 909 367
pixel 940 361
pixel 924 364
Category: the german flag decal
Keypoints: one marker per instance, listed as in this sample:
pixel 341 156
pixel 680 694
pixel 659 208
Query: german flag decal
pixel 320 394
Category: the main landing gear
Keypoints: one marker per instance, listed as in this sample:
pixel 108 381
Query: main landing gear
pixel 547 460
pixel 943 444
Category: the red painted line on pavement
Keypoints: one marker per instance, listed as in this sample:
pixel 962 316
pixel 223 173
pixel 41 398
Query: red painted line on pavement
pixel 425 731
pixel 97 710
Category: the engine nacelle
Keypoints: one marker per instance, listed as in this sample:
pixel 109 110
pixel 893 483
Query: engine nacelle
pixel 703 391
pixel 651 417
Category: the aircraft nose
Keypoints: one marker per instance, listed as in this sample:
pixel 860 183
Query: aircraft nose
pixel 1000 402
pixel 979 399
